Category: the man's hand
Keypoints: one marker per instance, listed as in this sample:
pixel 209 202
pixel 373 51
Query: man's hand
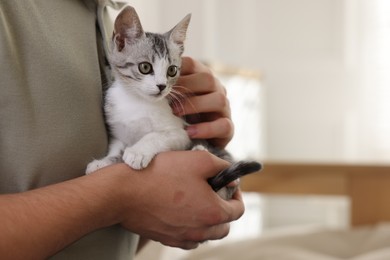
pixel 206 107
pixel 172 202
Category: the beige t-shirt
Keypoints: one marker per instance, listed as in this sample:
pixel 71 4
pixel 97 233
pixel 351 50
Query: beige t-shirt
pixel 51 120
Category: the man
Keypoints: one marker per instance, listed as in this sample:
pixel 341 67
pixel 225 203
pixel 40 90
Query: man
pixel 52 125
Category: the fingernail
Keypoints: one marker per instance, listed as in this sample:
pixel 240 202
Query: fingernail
pixel 191 131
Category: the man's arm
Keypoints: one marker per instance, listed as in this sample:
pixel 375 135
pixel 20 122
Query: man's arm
pixel 38 223
pixel 169 202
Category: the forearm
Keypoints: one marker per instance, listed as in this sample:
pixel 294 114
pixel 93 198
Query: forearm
pixel 170 201
pixel 39 223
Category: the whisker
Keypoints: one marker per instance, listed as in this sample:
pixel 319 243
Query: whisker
pixel 179 96
pixel 187 91
pixel 175 99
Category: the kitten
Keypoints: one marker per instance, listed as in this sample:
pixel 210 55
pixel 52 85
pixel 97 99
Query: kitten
pixel 138 113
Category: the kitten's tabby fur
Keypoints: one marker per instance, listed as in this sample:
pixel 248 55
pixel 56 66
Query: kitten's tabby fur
pixel 145 67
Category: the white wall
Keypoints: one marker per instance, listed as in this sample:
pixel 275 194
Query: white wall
pixel 298 47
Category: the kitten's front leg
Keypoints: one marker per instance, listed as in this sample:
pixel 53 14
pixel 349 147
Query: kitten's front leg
pixel 141 154
pixel 135 160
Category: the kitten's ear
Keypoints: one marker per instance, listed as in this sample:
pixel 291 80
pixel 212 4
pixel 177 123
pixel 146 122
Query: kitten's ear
pixel 178 33
pixel 127 27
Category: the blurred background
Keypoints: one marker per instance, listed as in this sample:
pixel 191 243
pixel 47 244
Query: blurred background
pixel 309 82
pixel 323 66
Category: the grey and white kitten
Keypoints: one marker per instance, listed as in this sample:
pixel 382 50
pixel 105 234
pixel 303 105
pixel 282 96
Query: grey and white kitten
pixel 137 105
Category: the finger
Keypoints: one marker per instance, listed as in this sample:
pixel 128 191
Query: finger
pixel 215 102
pixel 231 209
pixel 197 83
pixel 191 66
pixel 221 128
pixel 210 233
pixel 235 207
pixel 197 78
pixel 187 245
pixel 237 195
pixel 219 231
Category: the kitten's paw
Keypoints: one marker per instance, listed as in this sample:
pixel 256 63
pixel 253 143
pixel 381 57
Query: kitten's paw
pixel 199 147
pixel 97 165
pixel 137 161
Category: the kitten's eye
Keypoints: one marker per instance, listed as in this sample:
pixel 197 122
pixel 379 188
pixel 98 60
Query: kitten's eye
pixel 145 68
pixel 172 71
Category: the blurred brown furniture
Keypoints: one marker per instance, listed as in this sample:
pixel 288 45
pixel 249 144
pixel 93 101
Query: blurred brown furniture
pixel 367 186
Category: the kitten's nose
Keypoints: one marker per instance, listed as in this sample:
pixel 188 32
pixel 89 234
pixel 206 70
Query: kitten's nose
pixel 161 87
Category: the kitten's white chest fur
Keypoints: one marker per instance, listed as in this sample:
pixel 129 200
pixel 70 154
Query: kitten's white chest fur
pixel 140 129
pixel 131 117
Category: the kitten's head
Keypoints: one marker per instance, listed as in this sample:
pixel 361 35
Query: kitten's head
pixel 146 63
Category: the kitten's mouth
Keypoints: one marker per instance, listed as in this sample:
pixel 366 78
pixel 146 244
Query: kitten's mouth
pixel 159 95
